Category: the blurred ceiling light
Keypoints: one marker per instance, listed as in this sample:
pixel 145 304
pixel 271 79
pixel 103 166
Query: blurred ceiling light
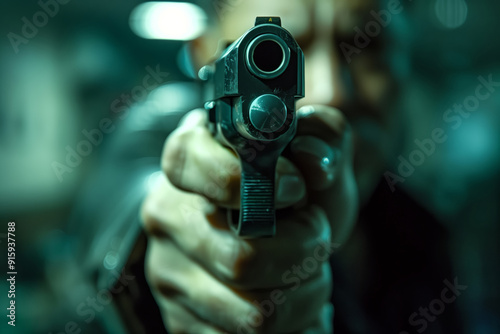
pixel 168 20
pixel 451 13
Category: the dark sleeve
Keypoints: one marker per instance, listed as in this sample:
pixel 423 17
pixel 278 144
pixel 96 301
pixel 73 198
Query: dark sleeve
pixel 109 242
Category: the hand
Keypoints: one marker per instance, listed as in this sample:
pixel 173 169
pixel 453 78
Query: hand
pixel 207 280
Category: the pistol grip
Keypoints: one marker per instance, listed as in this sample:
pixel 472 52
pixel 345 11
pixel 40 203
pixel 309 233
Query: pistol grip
pixel 256 217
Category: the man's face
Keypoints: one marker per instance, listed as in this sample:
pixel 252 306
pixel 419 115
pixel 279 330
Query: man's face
pixel 359 87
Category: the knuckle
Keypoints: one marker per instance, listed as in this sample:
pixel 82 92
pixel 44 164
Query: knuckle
pixel 336 120
pixel 340 121
pixel 222 311
pixel 223 183
pixel 174 155
pixel 232 259
pixel 181 145
pixel 196 245
pixel 165 285
pixel 153 226
pixel 245 264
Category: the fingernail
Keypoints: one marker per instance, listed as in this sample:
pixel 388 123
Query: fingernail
pixel 290 189
pixel 230 254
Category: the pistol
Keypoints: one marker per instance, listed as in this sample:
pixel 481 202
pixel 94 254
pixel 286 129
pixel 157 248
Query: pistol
pixel 252 90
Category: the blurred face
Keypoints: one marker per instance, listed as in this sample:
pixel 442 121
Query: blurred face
pixel 359 88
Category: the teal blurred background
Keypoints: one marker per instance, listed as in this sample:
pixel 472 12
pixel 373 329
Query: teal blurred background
pixel 67 77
